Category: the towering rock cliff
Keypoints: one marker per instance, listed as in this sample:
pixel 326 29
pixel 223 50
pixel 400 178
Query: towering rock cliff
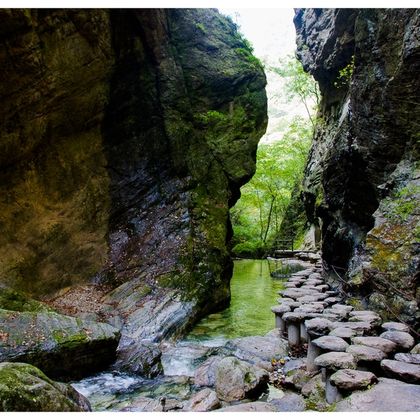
pixel 124 139
pixel 362 181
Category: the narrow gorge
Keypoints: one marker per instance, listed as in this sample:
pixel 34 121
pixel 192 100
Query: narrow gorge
pixel 125 138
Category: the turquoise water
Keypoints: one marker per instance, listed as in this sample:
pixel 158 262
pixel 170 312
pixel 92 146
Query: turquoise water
pixel 253 293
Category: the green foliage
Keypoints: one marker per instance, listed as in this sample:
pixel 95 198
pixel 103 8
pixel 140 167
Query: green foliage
pixel 258 214
pixel 299 84
pixel 201 27
pixel 345 75
pixel 211 117
pixel 404 204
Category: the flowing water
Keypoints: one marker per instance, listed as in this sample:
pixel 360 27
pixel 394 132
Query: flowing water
pixel 253 293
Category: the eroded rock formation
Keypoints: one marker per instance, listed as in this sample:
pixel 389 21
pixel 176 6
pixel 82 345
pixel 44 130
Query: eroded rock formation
pixel 124 139
pixel 362 180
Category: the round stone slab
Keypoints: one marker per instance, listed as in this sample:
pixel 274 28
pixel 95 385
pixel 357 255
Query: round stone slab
pixel 372 319
pixel 343 332
pixel 293 316
pixel 330 343
pixel 395 326
pixel 404 340
pixel 318 326
pixel 408 358
pixel 360 327
pixel 280 309
pixel 336 360
pixel 408 372
pixel 387 346
pixel 346 308
pixel 350 379
pixel 365 353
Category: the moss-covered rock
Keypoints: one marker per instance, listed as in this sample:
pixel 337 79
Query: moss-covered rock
pixel 25 388
pixel 61 346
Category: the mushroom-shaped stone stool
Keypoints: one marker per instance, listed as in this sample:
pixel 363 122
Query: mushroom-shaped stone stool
pixel 278 312
pixel 322 345
pixel 293 320
pixel 315 328
pixel 330 363
pixel 349 380
pixel 368 358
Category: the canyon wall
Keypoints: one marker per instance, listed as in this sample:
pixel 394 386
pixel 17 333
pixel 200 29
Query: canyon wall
pixel 362 183
pixel 125 136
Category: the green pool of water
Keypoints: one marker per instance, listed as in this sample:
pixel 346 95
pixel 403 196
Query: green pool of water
pixel 253 293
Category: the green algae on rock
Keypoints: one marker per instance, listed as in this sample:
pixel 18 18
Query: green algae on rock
pixel 25 388
pixel 61 346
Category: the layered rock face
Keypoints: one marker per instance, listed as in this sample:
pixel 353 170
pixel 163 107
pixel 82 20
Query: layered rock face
pixel 125 138
pixel 362 179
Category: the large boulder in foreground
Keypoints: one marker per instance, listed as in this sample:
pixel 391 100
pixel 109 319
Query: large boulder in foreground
pixel 61 346
pixel 387 395
pixel 236 380
pixel 25 388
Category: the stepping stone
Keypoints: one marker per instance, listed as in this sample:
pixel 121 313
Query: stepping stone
pixel 330 343
pixel 318 326
pixel 365 353
pixel 404 340
pixel 330 363
pixel 340 312
pixel 374 320
pixel 346 308
pixel 332 293
pixel 364 313
pixel 387 346
pixel 322 287
pixel 408 358
pixel 331 299
pixel 336 360
pixel 407 372
pixel 351 380
pixel 292 303
pixel 395 326
pixel 343 332
pixel 280 309
pixel 314 297
pixel 360 327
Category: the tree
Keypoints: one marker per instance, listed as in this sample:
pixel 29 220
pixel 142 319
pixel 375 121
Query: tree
pixel 299 84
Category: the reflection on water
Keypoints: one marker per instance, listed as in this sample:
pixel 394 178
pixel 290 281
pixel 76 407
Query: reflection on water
pixel 253 293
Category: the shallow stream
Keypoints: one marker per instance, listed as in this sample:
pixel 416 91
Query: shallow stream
pixel 253 293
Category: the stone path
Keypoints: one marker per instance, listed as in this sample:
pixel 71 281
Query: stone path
pixel 351 348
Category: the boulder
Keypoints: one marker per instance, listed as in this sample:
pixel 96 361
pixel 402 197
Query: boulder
pixel 205 374
pixel 407 372
pixel 257 406
pixel 236 380
pixel 142 358
pixel 258 350
pixel 387 395
pixel 395 326
pixel 204 400
pixel 63 347
pixel 404 340
pixel 350 379
pixel 289 402
pixel 387 346
pixel 24 387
